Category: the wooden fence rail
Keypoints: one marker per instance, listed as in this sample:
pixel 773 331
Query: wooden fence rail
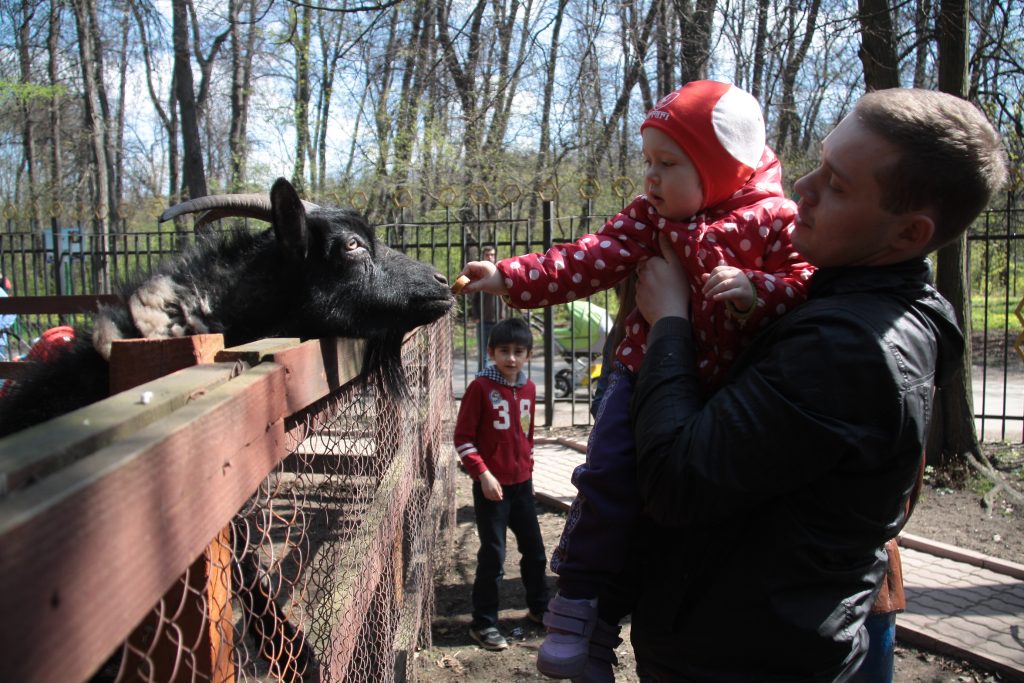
pixel 103 510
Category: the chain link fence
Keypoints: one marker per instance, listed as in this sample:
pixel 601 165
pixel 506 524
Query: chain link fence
pixel 326 572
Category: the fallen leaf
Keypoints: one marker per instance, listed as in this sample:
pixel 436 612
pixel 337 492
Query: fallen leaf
pixel 449 662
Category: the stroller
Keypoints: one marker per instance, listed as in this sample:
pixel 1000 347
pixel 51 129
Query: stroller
pixel 581 345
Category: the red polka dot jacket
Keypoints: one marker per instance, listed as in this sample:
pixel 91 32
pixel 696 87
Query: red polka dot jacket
pixel 750 231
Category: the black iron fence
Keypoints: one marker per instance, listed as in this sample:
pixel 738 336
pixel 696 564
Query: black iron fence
pixel 566 356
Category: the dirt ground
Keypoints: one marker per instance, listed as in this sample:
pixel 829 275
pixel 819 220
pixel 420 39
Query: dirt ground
pixel 946 514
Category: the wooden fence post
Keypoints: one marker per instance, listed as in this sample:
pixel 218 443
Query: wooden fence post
pixel 206 589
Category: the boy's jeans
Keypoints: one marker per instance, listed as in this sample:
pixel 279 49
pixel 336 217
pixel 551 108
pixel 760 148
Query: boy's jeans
pixel 516 511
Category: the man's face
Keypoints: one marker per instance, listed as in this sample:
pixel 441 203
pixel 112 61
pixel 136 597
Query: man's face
pixel 488 255
pixel 840 221
pixel 671 181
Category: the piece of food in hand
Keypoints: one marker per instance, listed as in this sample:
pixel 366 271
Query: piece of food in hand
pixel 459 283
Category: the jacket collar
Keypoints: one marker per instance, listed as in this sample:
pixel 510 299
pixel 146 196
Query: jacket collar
pixel 911 281
pixel 913 274
pixel 491 372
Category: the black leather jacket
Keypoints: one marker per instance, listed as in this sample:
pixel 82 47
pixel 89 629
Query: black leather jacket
pixel 771 501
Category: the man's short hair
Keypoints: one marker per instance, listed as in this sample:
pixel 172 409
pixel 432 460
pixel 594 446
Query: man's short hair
pixel 510 331
pixel 952 160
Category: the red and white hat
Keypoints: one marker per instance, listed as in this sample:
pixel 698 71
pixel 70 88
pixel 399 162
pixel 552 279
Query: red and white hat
pixel 721 129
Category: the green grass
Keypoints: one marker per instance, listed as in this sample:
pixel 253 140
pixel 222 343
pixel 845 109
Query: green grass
pixel 1001 313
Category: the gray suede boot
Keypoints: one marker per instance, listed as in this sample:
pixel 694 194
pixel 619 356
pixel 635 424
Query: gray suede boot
pixel 600 666
pixel 566 648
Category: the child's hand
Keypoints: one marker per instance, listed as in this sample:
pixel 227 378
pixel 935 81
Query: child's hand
pixel 726 283
pixel 490 486
pixel 483 276
pixel 662 287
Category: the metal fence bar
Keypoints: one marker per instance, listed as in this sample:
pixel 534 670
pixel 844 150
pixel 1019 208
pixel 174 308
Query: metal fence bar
pixel 994 247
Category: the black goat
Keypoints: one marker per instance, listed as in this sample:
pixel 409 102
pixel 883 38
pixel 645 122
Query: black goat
pixel 318 273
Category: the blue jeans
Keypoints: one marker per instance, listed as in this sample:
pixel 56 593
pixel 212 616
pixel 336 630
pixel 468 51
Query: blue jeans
pixel 878 664
pixel 518 512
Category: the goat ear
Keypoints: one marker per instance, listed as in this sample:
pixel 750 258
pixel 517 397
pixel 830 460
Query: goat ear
pixel 288 216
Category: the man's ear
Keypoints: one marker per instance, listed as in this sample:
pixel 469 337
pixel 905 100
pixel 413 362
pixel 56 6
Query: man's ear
pixel 916 234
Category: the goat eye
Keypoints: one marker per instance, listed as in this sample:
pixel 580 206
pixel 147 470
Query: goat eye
pixel 352 244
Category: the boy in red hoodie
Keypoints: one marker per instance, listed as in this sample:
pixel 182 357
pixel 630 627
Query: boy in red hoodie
pixel 494 440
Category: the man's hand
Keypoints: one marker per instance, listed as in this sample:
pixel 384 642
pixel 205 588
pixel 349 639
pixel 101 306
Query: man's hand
pixel 490 486
pixel 728 284
pixel 662 287
pixel 484 276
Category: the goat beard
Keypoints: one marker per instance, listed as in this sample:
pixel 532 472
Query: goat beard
pixel 382 364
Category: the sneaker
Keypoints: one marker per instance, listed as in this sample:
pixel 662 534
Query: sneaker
pixel 566 648
pixel 489 638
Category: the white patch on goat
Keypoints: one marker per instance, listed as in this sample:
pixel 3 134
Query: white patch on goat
pixel 149 304
pixel 104 332
pixel 192 309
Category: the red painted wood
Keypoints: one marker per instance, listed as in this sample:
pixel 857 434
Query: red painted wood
pixel 116 530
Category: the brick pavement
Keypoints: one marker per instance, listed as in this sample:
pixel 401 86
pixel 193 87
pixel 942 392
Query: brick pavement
pixel 959 602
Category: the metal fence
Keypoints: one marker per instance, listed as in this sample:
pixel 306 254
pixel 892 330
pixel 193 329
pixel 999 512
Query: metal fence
pixel 995 272
pixel 323 570
pixel 562 366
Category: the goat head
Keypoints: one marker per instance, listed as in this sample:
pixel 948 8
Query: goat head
pixel 317 272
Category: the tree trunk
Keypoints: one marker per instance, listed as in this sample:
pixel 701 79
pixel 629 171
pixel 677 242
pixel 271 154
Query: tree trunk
pixel 789 119
pixel 464 75
pixel 242 40
pixel 56 164
pixel 696 40
pixel 194 173
pixel 953 434
pixel 103 107
pixel 630 78
pixel 174 184
pixel 508 76
pixel 922 33
pixel 878 45
pixel 665 45
pixel 28 125
pixel 757 78
pixel 303 24
pixel 117 129
pixel 541 170
pixel 166 111
pixel 331 50
pixel 414 84
pixel 97 131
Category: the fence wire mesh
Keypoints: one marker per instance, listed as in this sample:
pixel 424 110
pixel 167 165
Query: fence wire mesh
pixel 326 574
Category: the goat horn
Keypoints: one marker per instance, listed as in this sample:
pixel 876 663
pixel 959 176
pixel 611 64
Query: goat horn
pixel 224 205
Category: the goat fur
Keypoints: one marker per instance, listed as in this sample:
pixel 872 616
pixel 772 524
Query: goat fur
pixel 314 273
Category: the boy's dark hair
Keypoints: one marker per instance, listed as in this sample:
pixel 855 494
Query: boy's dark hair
pixel 510 331
pixel 952 160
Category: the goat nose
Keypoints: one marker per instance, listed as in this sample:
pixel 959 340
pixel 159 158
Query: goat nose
pixel 441 278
